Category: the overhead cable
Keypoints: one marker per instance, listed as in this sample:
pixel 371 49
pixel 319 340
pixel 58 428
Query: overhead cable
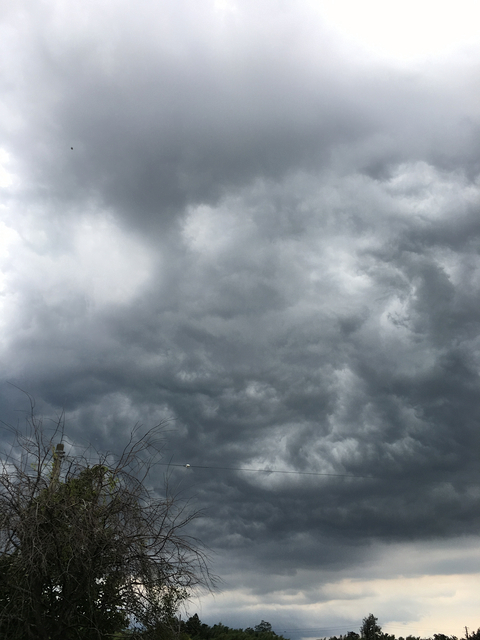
pixel 269 471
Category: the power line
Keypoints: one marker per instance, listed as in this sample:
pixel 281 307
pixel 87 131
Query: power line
pixel 269 471
pixel 346 626
pixel 297 473
pixel 327 631
pixel 343 626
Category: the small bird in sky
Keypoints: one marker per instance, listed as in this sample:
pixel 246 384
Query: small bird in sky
pixel 71 148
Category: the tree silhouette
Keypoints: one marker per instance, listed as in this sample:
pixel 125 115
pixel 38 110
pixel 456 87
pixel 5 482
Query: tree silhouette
pixel 370 630
pixel 86 547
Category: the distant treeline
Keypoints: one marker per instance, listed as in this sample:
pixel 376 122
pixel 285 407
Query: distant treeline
pixel 371 630
pixel 351 635
pixel 195 629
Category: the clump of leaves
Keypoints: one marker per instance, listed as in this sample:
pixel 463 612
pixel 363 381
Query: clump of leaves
pixel 86 548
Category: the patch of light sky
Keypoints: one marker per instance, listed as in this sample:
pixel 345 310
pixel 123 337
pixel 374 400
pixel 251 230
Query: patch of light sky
pixel 399 31
pixel 7 237
pixel 116 265
pixel 347 599
pixel 6 178
pixel 106 265
pixel 407 30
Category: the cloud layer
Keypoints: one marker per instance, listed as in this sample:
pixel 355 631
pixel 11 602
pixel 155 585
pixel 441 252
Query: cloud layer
pixel 270 239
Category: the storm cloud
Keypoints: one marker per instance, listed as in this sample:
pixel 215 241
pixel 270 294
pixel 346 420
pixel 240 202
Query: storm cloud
pixel 220 216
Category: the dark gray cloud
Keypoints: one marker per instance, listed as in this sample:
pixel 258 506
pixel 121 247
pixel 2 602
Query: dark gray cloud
pixel 271 245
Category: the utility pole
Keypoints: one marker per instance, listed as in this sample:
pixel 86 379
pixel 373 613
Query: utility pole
pixel 58 455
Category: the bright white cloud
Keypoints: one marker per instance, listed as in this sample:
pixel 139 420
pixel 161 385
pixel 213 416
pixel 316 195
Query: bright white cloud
pixel 6 178
pixel 98 266
pixel 113 266
pixel 405 30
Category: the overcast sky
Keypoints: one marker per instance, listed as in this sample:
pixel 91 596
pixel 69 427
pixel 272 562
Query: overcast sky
pixel 267 232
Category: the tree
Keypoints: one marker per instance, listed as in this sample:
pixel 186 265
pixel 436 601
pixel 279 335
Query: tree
pixel 87 548
pixel 195 630
pixel 370 629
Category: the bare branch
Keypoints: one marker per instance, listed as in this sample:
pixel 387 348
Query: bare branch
pixel 86 547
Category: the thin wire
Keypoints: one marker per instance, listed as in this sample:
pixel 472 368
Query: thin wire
pixel 298 473
pixel 409 627
pixel 343 626
pixel 346 626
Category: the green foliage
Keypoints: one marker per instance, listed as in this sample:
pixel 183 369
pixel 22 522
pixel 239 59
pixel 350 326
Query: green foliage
pixel 71 582
pixel 87 552
pixel 194 629
pixel 198 631
pixel 370 630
